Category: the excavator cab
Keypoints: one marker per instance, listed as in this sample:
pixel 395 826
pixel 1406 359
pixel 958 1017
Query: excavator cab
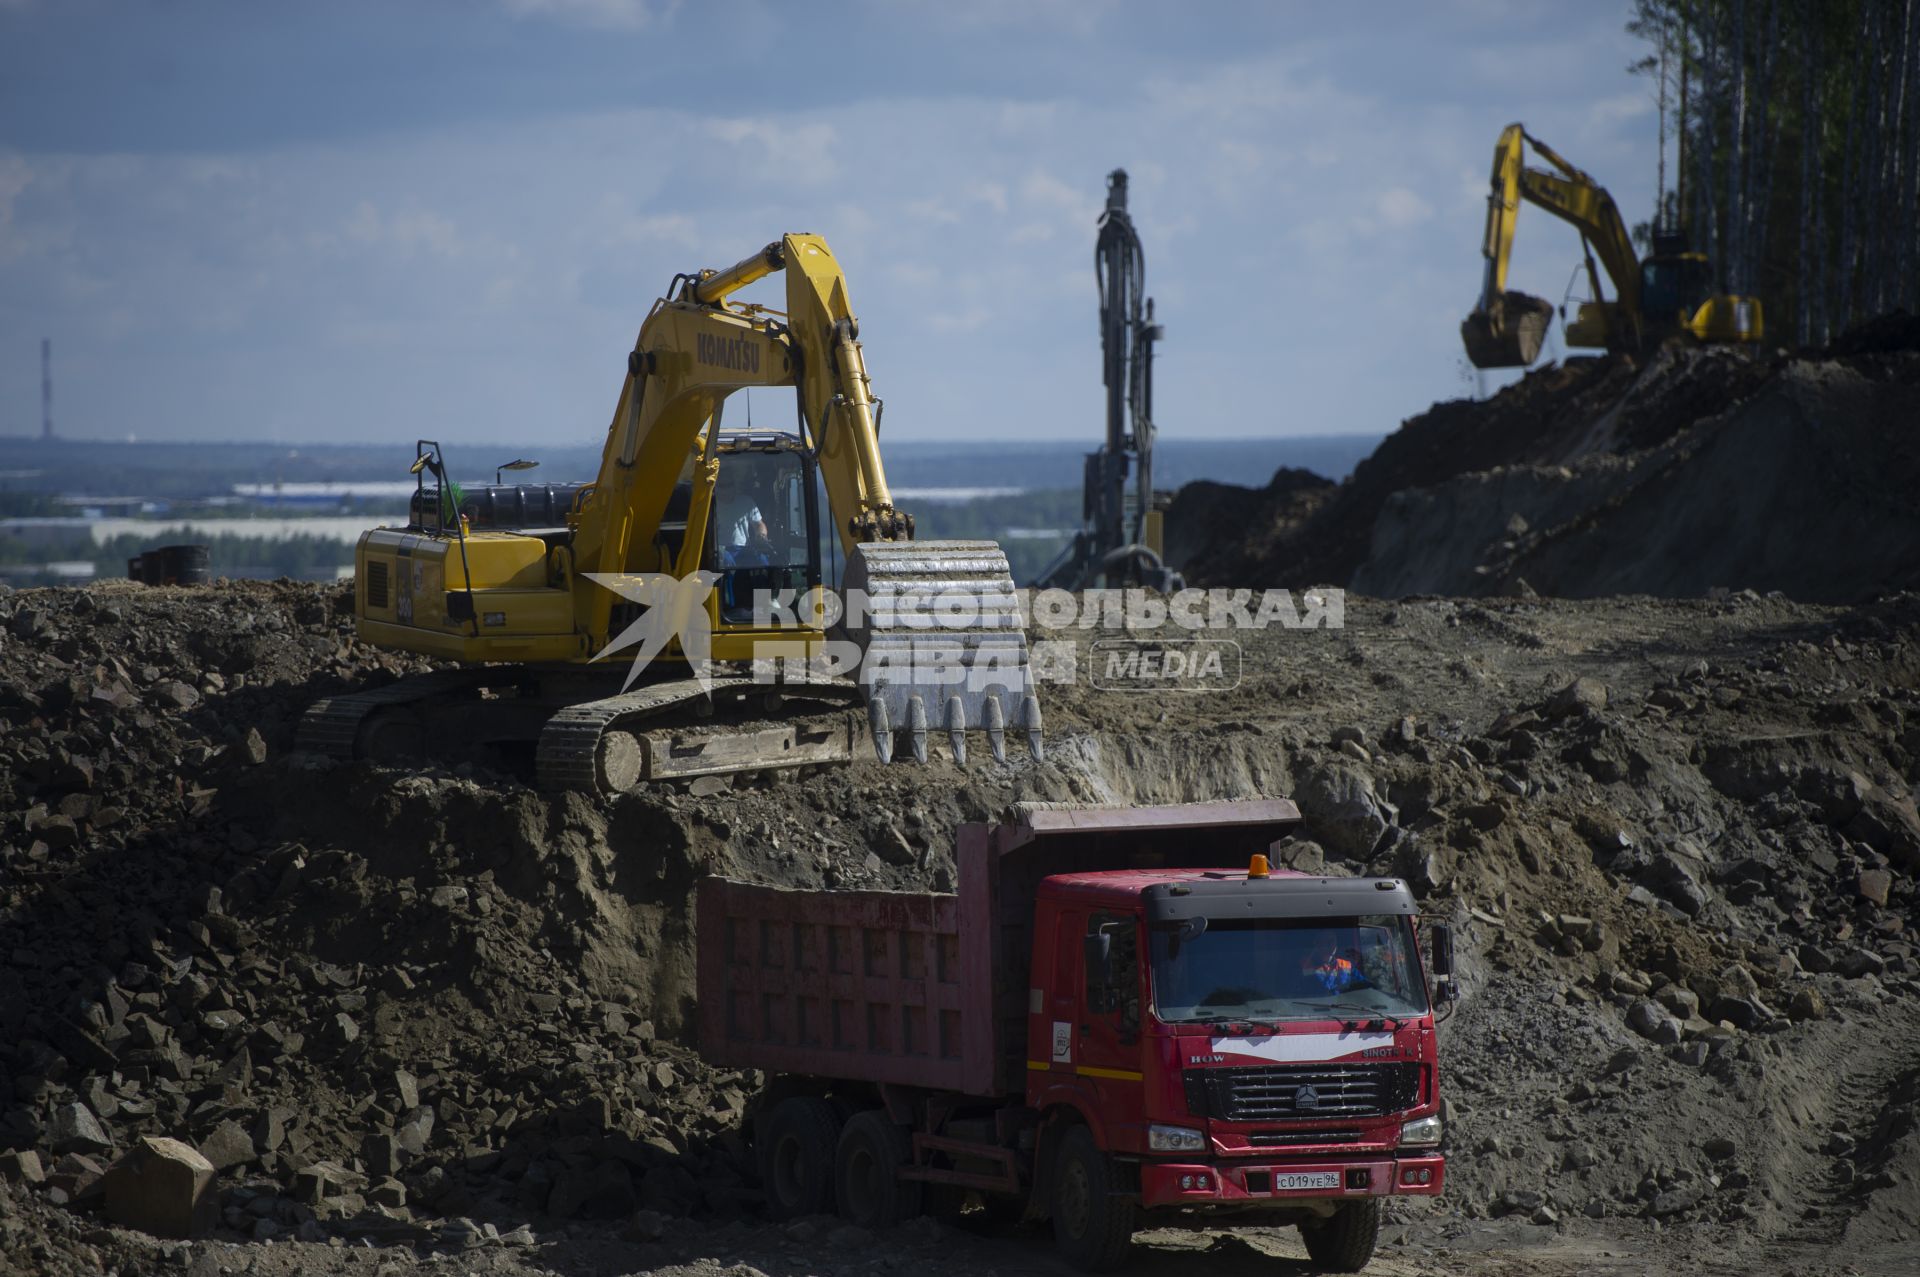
pixel 1677 295
pixel 763 538
pixel 1673 286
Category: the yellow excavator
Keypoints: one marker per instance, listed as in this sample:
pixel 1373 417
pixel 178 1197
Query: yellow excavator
pixel 704 549
pixel 1669 295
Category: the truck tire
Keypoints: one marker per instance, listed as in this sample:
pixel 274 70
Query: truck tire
pixel 1092 1225
pixel 866 1173
pixel 1344 1243
pixel 796 1157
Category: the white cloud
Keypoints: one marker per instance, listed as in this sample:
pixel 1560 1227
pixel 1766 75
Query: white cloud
pixel 1076 17
pixel 494 272
pixel 1620 108
pixel 408 230
pixel 972 319
pixel 15 174
pixel 607 15
pixel 915 274
pixel 1401 207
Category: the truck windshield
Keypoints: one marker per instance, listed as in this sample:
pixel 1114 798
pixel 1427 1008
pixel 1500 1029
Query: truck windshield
pixel 1287 969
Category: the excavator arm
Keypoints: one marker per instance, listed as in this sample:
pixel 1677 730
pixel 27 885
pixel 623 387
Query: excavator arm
pixel 936 623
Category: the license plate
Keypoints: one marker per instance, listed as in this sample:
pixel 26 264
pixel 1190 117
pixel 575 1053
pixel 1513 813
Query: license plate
pixel 1284 1181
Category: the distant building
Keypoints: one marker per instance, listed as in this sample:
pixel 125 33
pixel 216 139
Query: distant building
pixel 57 572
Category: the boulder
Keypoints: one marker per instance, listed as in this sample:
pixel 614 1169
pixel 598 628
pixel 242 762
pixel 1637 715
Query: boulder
pixel 1889 823
pixel 1578 697
pixel 1345 813
pixel 228 1145
pixel 1654 1022
pixel 21 1166
pixel 75 1129
pixel 164 1187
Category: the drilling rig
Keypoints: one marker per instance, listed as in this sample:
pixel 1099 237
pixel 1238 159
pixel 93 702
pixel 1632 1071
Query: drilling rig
pixel 1120 541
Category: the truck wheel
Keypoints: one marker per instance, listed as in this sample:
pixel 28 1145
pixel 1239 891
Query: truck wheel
pixel 796 1157
pixel 866 1170
pixel 1344 1243
pixel 1091 1225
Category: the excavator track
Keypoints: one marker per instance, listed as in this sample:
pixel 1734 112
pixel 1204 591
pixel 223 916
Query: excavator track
pixel 334 727
pixel 596 746
pixel 580 749
pixel 939 622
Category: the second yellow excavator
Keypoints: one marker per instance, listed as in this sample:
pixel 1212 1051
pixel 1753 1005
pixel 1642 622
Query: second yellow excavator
pixel 1669 294
pixel 704 550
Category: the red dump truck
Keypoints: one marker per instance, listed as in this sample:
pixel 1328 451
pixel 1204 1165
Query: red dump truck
pixel 1122 1020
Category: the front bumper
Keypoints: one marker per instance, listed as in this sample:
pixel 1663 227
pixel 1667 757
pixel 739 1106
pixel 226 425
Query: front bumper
pixel 1244 1183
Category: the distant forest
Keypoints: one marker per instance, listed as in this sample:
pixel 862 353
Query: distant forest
pixel 1796 169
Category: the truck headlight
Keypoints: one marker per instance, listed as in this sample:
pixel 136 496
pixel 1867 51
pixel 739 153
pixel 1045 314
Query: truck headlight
pixel 1422 1132
pixel 1175 1139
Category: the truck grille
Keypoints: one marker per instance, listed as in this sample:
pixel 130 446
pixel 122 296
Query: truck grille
pixel 1289 1139
pixel 377 583
pixel 1285 1091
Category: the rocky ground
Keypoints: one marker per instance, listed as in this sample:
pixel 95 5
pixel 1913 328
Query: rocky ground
pixel 420 1019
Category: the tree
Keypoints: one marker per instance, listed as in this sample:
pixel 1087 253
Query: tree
pixel 1828 90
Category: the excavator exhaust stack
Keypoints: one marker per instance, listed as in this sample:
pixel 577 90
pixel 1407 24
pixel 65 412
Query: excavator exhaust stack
pixel 1509 333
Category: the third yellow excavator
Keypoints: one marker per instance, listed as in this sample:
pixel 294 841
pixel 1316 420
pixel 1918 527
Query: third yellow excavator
pixel 1669 294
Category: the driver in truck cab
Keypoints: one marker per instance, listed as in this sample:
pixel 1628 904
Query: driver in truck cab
pixel 1326 966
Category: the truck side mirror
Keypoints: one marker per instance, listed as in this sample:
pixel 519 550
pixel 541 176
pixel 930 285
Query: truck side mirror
pixel 1442 950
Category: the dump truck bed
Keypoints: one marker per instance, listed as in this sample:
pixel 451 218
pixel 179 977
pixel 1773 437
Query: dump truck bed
pixel 923 989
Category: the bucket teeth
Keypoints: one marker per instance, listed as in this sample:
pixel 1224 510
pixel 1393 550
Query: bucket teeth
pixel 957 729
pixel 882 730
pixel 917 728
pixel 996 724
pixel 1030 720
pixel 939 672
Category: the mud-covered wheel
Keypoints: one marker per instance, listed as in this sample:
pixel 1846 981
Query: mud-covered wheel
pixel 1344 1243
pixel 393 735
pixel 1092 1225
pixel 867 1183
pixel 796 1148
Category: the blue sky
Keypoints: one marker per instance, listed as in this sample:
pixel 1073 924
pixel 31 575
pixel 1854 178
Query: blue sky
pixel 373 221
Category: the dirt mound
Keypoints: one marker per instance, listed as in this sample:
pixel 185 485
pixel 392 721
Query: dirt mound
pixel 1695 470
pixel 1228 527
pixel 1679 840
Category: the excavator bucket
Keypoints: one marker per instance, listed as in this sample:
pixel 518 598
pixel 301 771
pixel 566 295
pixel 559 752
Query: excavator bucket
pixel 1509 333
pixel 945 653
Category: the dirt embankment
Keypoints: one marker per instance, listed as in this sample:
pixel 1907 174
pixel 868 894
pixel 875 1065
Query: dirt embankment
pixel 437 1012
pixel 1693 471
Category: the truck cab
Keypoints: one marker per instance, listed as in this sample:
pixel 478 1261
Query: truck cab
pixel 1244 1039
